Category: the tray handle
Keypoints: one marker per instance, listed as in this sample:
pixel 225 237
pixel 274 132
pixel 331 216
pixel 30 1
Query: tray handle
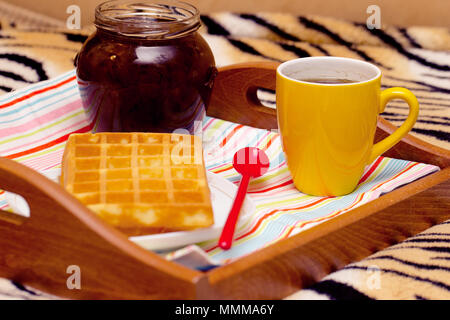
pixel 234 94
pixel 62 232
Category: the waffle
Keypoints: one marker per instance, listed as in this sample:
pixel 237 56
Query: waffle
pixel 141 183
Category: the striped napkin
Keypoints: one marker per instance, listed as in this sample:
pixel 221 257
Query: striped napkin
pixel 36 121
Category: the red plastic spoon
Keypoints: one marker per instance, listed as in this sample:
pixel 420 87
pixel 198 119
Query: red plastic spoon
pixel 250 162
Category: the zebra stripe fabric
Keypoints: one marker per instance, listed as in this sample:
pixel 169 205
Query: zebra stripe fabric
pixel 417 58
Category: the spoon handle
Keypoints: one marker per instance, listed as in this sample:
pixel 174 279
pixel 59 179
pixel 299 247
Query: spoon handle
pixel 226 238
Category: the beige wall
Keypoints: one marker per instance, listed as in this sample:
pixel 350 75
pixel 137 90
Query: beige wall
pixel 398 12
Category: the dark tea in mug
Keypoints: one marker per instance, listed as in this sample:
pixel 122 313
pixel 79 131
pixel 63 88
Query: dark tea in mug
pixel 328 81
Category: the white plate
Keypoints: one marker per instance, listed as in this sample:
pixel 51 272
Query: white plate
pixel 222 195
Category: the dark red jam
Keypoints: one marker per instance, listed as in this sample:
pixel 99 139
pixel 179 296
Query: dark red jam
pixel 143 71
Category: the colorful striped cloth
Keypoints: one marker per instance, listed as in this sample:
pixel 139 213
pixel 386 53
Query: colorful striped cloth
pixel 36 121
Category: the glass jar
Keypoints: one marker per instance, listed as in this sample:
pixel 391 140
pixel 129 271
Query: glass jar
pixel 146 68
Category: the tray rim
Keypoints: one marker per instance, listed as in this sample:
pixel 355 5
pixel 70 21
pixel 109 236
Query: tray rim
pixel 218 282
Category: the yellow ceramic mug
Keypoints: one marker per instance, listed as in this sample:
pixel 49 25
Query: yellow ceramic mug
pixel 328 130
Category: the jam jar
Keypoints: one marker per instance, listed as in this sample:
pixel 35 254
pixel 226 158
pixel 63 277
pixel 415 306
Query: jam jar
pixel 146 68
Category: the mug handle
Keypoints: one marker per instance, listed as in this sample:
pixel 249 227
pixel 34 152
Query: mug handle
pixel 387 95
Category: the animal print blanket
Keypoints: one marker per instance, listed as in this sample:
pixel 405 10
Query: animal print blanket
pixel 415 57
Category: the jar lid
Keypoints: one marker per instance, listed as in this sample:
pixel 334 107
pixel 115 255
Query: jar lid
pixel 158 19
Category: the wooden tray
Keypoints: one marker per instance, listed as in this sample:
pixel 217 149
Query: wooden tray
pixel 61 232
